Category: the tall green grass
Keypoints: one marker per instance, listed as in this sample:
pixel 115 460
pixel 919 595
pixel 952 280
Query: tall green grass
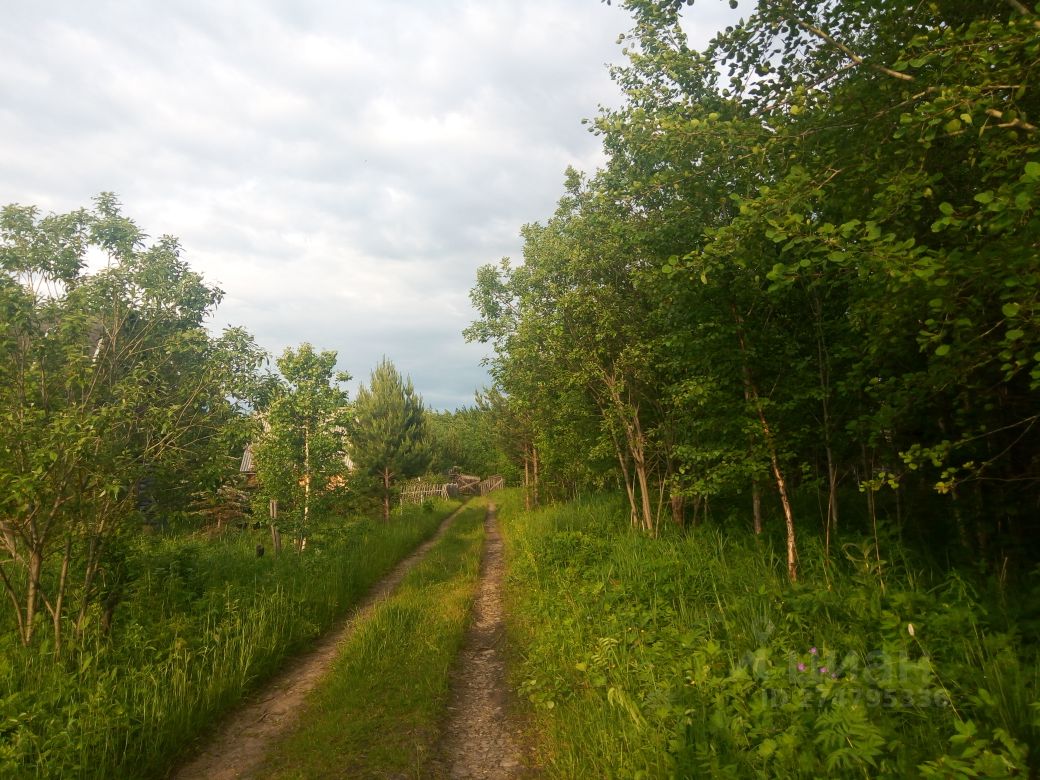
pixel 378 712
pixel 203 622
pixel 692 656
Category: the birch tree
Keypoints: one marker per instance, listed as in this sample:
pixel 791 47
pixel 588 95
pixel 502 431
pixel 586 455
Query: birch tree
pixel 110 388
pixel 300 450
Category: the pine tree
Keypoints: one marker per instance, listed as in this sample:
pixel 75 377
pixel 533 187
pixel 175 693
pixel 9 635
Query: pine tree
pixel 388 435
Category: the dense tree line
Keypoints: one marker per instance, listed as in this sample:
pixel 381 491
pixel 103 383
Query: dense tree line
pixel 114 402
pixel 120 411
pixel 810 265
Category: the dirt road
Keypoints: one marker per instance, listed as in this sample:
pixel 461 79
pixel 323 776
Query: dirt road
pixel 481 741
pixel 238 748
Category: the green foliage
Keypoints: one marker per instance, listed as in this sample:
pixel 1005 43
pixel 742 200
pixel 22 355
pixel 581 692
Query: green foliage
pixel 465 438
pixel 809 261
pixel 387 435
pixel 379 712
pixel 299 447
pixel 115 404
pixel 693 656
pixel 202 622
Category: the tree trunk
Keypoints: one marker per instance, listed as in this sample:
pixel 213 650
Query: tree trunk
pixel 637 443
pixel 868 465
pixel 628 414
pixel 386 495
pixel 644 496
pixel 59 600
pixel 751 392
pixel 527 481
pixel 756 506
pixel 832 499
pixel 32 594
pixel 698 502
pixel 10 540
pixel 306 480
pixel 626 476
pixel 534 461
pixel 89 574
pixel 678 507
pixel 823 364
pixel 276 535
pixel 12 595
pixel 781 486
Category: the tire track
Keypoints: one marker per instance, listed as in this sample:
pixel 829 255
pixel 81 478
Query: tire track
pixel 480 741
pixel 239 747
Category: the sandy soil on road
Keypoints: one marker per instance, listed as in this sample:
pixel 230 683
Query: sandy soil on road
pixel 480 740
pixel 238 749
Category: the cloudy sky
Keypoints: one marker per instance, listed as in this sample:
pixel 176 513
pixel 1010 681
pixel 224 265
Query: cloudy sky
pixel 339 169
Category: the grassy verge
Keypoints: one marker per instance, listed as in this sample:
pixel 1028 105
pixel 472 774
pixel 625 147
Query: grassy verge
pixel 692 656
pixel 377 713
pixel 202 622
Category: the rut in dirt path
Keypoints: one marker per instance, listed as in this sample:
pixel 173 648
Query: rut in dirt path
pixel 238 750
pixel 481 740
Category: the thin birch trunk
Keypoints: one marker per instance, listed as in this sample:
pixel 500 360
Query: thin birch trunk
pixel 32 594
pixel 774 459
pixel 756 506
pixel 59 600
pixel 527 481
pixel 629 487
pixel 823 364
pixel 644 495
pixel 306 480
pixel 534 460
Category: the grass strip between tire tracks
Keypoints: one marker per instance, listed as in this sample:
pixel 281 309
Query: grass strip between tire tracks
pixel 377 713
pixel 202 623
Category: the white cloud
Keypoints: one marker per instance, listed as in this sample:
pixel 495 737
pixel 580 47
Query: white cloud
pixel 340 169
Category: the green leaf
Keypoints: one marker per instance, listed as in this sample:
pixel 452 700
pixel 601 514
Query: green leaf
pixel 1010 309
pixel 1033 170
pixel 984 197
pixel 1015 334
pixel 953 126
pixel 942 349
pixel 946 208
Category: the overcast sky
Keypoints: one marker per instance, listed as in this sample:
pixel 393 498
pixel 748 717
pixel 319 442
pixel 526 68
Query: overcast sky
pixel 339 169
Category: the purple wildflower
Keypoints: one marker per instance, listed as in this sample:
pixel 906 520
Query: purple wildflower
pixel 801 667
pixel 812 650
pixel 823 670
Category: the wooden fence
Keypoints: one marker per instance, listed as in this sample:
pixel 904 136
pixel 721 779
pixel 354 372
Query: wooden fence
pixel 491 483
pixel 417 492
